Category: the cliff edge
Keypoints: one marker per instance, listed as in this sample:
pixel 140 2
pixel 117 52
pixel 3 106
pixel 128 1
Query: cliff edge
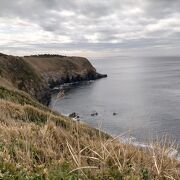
pixel 37 74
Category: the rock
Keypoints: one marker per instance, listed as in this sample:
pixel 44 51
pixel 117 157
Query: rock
pixel 99 76
pixel 73 115
pixel 94 114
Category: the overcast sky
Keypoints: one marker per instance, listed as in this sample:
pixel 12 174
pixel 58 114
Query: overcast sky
pixel 91 28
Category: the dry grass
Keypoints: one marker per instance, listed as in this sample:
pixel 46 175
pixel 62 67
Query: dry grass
pixel 89 155
pixel 59 64
pixel 6 83
pixel 16 72
pixel 36 143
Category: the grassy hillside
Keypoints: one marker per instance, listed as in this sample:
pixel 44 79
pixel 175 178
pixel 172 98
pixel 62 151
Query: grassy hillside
pixel 17 73
pixel 36 143
pixel 60 64
pixel 37 74
pixel 56 69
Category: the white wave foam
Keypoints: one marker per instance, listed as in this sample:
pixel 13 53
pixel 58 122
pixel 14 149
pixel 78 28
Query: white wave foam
pixel 172 152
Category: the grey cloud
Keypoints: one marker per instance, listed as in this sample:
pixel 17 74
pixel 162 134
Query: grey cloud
pixel 162 8
pixel 128 23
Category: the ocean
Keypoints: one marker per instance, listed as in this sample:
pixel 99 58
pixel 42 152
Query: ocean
pixel 139 100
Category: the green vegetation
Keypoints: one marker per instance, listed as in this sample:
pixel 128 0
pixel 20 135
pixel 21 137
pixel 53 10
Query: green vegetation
pixel 19 97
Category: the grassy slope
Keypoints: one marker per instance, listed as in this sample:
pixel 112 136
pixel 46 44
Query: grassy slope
pixel 40 144
pixel 17 73
pixel 19 113
pixel 6 83
pixel 51 150
pixel 36 143
pixel 34 74
pixel 60 64
pixel 59 69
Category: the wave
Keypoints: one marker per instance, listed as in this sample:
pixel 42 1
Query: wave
pixel 172 152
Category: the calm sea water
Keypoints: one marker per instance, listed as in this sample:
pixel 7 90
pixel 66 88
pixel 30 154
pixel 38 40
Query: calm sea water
pixel 144 92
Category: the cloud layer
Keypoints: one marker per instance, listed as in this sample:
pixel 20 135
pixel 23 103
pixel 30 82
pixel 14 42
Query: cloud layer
pixel 90 28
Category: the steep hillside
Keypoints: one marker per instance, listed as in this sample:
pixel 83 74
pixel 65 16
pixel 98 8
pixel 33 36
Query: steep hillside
pixel 36 143
pixel 37 74
pixel 56 69
pixel 17 73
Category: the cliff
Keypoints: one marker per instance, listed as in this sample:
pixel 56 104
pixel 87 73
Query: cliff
pixel 56 69
pixel 37 74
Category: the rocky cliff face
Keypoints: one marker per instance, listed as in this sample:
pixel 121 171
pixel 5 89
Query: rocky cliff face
pixel 57 70
pixel 36 75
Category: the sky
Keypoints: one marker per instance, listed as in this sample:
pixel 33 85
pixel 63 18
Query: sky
pixel 91 28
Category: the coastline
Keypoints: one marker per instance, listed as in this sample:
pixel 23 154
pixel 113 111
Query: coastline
pixel 173 153
pixel 41 143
